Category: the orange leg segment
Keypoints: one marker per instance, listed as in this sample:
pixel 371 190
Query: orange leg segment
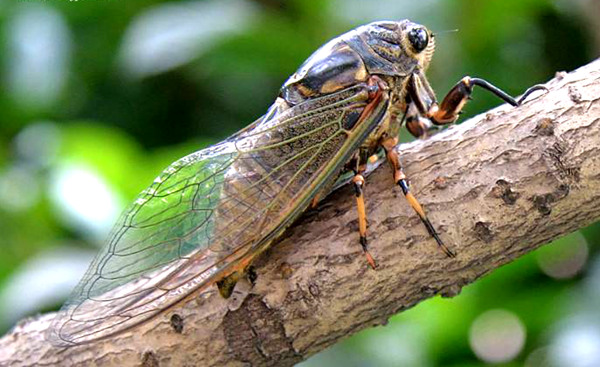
pixel 400 180
pixel 359 182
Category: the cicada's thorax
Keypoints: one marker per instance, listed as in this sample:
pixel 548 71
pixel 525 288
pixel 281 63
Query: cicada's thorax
pixel 377 49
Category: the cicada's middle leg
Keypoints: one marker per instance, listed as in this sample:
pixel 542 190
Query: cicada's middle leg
pixel 389 145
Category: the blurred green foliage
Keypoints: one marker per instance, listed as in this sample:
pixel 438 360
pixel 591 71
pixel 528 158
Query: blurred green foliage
pixel 124 88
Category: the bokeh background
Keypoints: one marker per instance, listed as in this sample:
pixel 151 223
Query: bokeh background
pixel 96 97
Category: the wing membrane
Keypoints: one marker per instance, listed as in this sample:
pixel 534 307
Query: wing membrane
pixel 205 213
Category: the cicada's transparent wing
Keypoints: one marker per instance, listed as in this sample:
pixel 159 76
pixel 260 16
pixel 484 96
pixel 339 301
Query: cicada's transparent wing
pixel 207 212
pixel 155 236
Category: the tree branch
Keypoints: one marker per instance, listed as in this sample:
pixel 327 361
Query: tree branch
pixel 496 187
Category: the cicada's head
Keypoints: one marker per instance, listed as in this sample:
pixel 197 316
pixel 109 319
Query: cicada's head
pixel 398 47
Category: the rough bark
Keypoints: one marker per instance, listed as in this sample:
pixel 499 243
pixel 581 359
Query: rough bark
pixel 496 187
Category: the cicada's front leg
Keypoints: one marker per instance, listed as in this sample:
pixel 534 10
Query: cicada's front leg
pixel 400 179
pixel 416 124
pixel 452 104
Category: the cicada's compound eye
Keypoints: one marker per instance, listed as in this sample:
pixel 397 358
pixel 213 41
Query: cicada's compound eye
pixel 418 38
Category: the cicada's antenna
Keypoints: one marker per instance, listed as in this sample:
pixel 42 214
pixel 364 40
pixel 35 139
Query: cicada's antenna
pixel 435 34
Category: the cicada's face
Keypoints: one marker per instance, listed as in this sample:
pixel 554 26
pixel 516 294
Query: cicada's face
pixel 390 49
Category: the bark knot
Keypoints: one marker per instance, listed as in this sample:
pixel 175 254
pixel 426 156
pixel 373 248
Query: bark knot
pixel 440 182
pixel 483 232
pixel 503 190
pixel 545 127
pixel 177 323
pixel 574 94
pixel 149 359
pixel 256 335
pixel 543 203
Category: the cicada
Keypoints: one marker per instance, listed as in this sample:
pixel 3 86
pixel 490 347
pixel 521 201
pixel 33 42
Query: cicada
pixel 207 216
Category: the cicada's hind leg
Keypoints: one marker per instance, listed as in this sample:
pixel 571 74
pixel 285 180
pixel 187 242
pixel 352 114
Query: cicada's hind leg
pixel 227 284
pixel 400 179
pixel 359 182
pixel 358 165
